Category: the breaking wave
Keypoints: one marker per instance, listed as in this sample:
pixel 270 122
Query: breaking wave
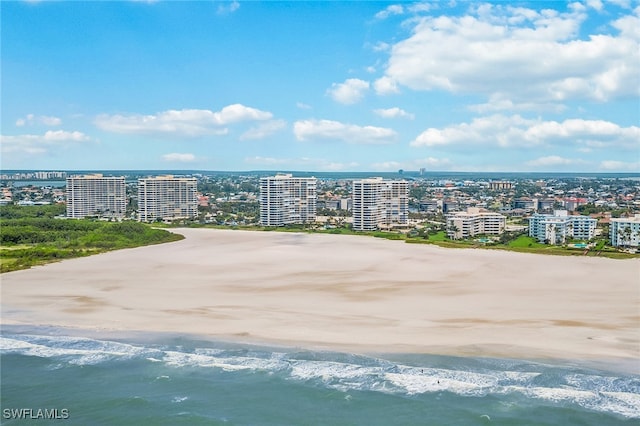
pixel 591 390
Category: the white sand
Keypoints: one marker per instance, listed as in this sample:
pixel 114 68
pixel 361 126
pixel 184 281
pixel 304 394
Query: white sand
pixel 343 292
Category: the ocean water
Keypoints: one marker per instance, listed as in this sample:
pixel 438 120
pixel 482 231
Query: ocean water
pixel 180 380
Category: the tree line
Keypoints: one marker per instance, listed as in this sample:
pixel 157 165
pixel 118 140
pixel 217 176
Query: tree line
pixel 32 235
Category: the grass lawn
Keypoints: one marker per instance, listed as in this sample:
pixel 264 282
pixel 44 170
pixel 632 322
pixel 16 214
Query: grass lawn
pixel 525 241
pixel 440 236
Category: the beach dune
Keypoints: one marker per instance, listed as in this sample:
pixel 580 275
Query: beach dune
pixel 343 292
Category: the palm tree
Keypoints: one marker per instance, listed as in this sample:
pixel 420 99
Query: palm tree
pixel 454 230
pixel 552 234
pixel 625 234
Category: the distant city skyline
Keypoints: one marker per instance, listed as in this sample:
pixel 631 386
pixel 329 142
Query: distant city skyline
pixel 321 86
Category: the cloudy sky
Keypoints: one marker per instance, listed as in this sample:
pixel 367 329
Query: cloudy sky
pixel 321 86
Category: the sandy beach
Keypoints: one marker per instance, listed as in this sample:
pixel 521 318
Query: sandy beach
pixel 343 292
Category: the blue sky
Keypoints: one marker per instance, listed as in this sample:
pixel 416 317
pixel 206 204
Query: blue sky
pixel 321 86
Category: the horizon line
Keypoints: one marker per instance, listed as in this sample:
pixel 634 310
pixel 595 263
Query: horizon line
pixel 399 172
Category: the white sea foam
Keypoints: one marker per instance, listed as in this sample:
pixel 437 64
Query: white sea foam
pixel 609 394
pixel 208 351
pixel 13 345
pixel 81 351
pixel 559 394
pixel 337 375
pixel 630 399
pixel 623 403
pixel 184 359
pixel 415 384
pixel 422 380
pixel 227 363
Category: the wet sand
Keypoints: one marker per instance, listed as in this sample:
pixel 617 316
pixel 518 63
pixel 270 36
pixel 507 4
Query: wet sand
pixel 343 292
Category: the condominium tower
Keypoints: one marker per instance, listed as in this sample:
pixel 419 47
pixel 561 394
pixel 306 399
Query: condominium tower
pixel 379 203
pixel 96 195
pixel 167 198
pixel 285 199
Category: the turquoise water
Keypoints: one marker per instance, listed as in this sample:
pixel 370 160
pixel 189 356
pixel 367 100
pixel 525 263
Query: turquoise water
pixel 193 382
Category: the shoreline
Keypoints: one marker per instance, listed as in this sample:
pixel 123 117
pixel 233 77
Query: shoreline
pixel 355 295
pixel 627 366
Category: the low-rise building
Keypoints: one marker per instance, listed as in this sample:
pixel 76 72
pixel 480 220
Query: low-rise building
pixel 475 221
pixel 496 185
pixel 557 227
pixel 625 232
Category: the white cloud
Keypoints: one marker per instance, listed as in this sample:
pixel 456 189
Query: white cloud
pixel 263 130
pixel 386 165
pixel 335 166
pixel 386 86
pixel 29 144
pixel 433 163
pixel 612 165
pixel 394 9
pixel 41 144
pixel 64 136
pixel 326 129
pixel 266 161
pixel 302 105
pixel 430 163
pixel 307 163
pixel 517 55
pixel 50 121
pixel 398 9
pixel 238 112
pixel 626 4
pixel 595 4
pixel 499 103
pixel 394 112
pixel 381 47
pixel 551 160
pixel 228 7
pixel 421 7
pixel 349 92
pixel 186 122
pixel 32 119
pixel 176 157
pixel 514 131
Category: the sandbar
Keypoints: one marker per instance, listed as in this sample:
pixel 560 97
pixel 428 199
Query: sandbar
pixel 342 292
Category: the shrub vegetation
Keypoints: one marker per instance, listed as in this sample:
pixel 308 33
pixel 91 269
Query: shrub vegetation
pixel 33 235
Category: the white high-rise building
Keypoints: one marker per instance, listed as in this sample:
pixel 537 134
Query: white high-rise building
pixel 625 232
pixel 96 195
pixel 555 228
pixel 167 198
pixel 285 200
pixel 475 221
pixel 379 203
